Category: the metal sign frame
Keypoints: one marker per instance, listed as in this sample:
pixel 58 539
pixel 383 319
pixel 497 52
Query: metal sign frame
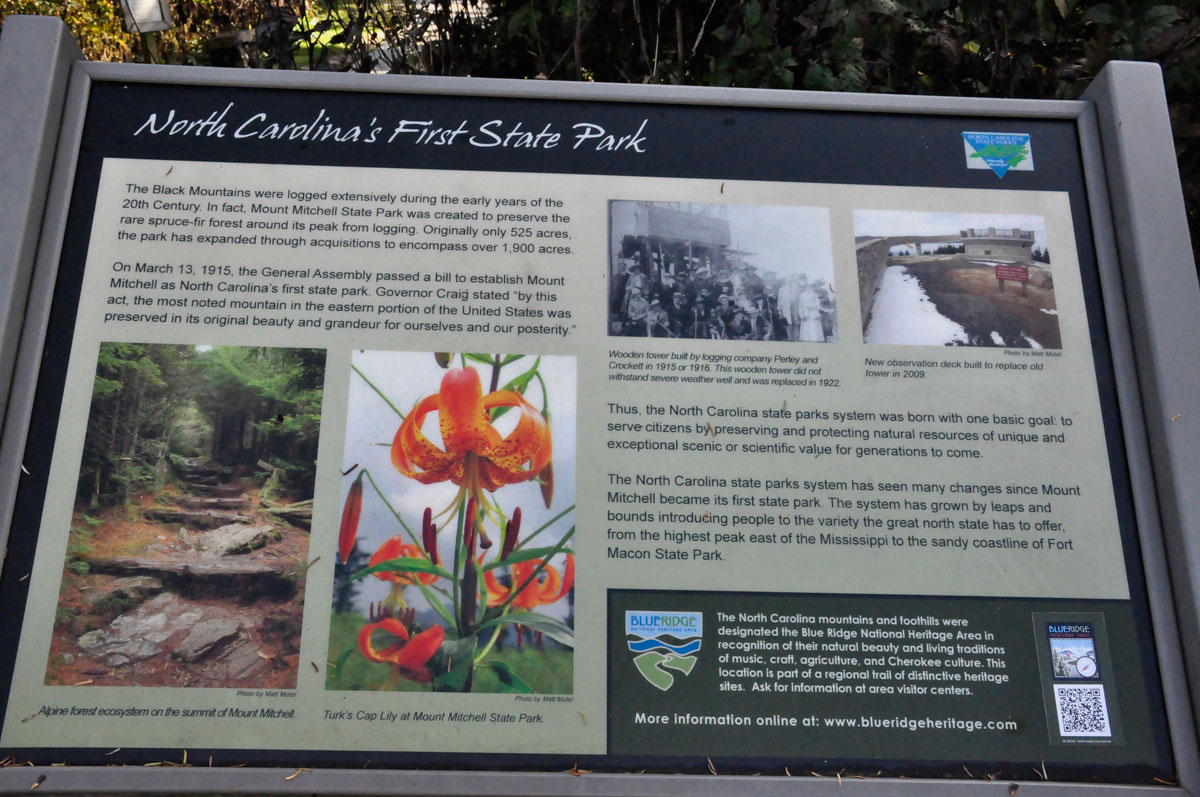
pixel 1150 299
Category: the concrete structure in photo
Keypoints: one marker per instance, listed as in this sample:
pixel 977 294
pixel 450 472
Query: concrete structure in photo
pixel 872 254
pixel 1014 244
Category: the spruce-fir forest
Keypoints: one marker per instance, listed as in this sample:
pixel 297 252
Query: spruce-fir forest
pixel 187 549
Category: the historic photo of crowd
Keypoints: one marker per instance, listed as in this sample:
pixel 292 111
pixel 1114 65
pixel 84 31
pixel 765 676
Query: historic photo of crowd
pixel 722 272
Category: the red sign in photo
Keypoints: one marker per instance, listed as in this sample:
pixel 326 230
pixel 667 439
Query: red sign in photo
pixel 1015 273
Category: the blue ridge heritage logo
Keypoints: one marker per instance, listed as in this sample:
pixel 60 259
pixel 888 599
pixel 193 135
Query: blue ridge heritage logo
pixel 664 643
pixel 1000 152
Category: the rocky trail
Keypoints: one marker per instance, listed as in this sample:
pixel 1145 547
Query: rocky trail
pixel 205 588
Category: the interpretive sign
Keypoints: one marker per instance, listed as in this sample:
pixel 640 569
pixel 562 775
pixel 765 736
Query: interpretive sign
pixel 436 424
pixel 1014 273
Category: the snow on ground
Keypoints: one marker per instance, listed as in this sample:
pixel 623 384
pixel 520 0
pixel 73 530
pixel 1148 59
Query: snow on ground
pixel 997 339
pixel 902 313
pixel 1033 344
pixel 1050 311
pixel 995 262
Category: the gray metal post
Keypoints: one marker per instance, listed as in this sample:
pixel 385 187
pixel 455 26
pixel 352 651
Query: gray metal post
pixel 1163 298
pixel 36 54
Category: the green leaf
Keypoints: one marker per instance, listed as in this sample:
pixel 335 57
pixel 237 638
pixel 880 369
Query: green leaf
pixel 518 384
pixel 753 13
pixel 818 78
pixel 509 680
pixel 1160 17
pixel 486 359
pixel 526 555
pixel 521 383
pixel 555 629
pixel 458 662
pixel 340 665
pixel 437 605
pixel 403 564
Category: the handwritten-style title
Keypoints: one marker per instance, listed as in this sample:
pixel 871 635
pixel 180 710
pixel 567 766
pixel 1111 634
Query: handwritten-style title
pixel 587 136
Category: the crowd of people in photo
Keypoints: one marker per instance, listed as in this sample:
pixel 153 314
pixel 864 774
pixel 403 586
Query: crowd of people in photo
pixel 678 299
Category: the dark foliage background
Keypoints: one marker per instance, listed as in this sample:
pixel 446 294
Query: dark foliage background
pixel 975 48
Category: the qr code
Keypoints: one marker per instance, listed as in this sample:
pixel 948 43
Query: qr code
pixel 1082 710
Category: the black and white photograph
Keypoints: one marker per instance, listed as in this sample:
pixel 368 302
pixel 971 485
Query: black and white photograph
pixel 955 279
pixel 721 272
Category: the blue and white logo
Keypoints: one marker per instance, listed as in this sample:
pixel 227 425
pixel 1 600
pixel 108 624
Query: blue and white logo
pixel 663 642
pixel 1000 152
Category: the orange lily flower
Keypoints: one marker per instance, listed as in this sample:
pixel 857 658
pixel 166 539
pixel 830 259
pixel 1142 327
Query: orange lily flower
pixel 474 455
pixel 408 656
pixel 396 548
pixel 538 592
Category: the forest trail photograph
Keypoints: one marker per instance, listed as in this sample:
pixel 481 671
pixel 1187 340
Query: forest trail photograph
pixel 188 546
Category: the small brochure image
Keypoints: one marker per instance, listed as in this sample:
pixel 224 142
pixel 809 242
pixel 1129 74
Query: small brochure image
pixel 1078 687
pixel 1073 651
pixel 722 272
pixel 455 566
pixel 955 279
pixel 187 549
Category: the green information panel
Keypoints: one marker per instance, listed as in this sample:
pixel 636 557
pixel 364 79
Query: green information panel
pixel 767 674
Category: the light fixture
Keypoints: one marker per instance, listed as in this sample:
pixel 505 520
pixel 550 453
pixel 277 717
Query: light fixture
pixel 147 16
